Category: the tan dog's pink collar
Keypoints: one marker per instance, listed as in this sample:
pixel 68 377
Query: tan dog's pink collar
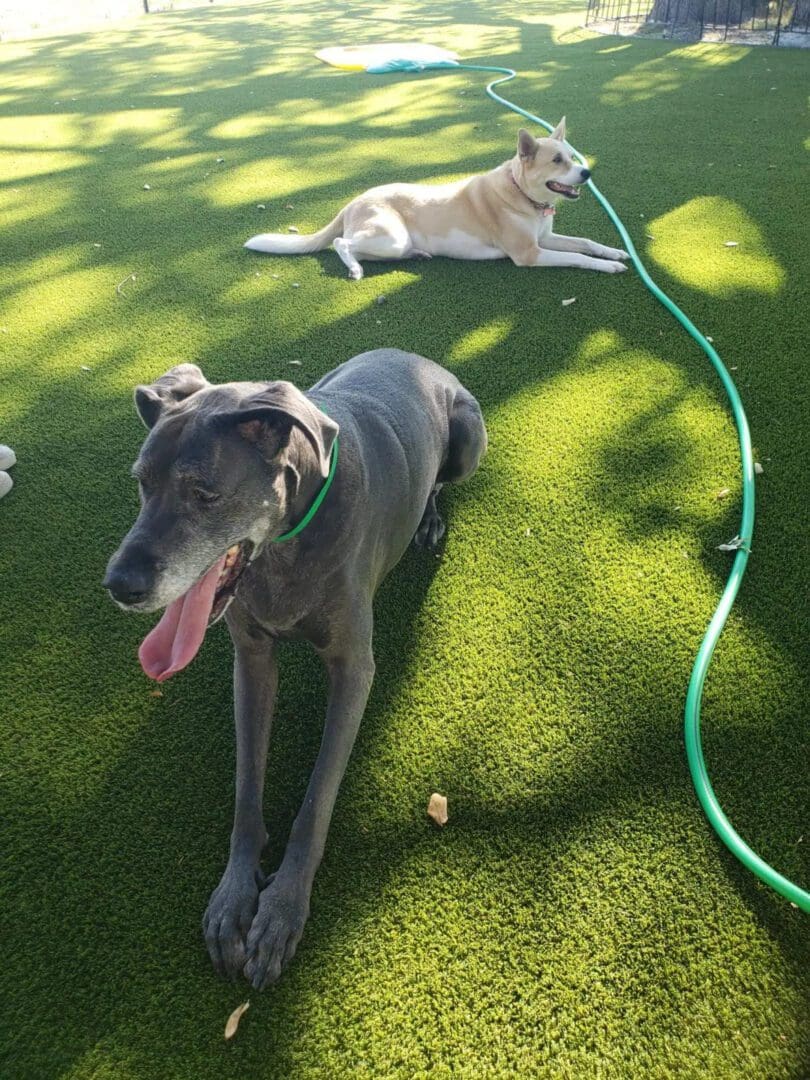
pixel 545 208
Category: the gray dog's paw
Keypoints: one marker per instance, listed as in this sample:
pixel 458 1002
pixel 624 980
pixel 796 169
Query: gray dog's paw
pixel 227 921
pixel 431 530
pixel 274 935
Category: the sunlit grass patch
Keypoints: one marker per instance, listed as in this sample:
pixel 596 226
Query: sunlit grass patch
pixel 712 244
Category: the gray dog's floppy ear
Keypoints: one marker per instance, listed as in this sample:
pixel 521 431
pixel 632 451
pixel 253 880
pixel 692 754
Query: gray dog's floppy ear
pixel 269 415
pixel 527 144
pixel 178 383
pixel 559 131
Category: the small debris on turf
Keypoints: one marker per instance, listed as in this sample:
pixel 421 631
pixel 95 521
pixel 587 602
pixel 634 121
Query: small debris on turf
pixel 260 206
pixel 274 277
pixel 571 300
pixel 289 206
pixel 381 299
pixel 220 161
pixel 710 339
pixel 723 493
pixel 147 187
pixel 86 368
pixel 295 363
pixel 234 1018
pixel 129 277
pixel 437 808
pixel 735 544
pixel 731 243
pixel 155 693
pixel 96 245
pixel 758 468
pixel 296 284
pixel 291 228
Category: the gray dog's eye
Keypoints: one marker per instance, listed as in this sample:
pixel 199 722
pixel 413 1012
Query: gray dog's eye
pixel 203 495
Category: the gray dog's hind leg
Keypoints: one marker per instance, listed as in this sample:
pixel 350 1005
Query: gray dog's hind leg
pixel 233 903
pixel 466 445
pixel 431 527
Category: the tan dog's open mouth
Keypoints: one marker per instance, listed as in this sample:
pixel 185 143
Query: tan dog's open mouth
pixel 568 190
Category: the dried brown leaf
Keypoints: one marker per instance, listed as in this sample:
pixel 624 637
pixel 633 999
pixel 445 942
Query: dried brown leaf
pixel 234 1018
pixel 437 808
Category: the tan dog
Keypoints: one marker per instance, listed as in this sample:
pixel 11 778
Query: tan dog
pixel 505 213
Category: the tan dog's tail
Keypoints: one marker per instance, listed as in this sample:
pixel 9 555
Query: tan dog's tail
pixel 290 244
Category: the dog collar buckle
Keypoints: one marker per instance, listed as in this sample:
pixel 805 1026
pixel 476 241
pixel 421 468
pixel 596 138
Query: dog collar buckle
pixel 546 209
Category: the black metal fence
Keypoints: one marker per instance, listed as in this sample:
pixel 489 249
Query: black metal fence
pixel 772 22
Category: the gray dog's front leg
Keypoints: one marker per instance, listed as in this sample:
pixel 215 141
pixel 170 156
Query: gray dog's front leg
pixel 284 903
pixel 233 903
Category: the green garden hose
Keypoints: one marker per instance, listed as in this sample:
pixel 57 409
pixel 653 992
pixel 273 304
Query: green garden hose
pixel 741 545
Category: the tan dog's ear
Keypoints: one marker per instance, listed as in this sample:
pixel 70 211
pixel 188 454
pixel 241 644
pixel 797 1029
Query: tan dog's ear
pixel 559 131
pixel 527 144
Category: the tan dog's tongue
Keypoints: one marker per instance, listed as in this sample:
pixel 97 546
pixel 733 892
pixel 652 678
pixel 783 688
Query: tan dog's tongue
pixel 177 638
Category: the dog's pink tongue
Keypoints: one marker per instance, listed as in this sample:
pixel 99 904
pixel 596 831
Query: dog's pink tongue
pixel 177 638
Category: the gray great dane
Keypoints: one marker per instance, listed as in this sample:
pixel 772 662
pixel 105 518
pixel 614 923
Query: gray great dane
pixel 228 475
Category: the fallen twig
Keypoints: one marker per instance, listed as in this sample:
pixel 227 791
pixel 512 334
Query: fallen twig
pixel 129 277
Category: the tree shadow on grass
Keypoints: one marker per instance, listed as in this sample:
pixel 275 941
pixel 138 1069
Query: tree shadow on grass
pixel 118 847
pixel 115 883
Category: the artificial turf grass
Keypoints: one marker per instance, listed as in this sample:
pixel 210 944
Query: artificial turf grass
pixel 576 917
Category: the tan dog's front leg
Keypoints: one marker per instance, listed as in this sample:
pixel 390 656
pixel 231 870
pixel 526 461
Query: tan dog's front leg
pixel 536 256
pixel 580 244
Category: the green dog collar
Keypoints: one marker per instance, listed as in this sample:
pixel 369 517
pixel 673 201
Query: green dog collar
pixel 316 502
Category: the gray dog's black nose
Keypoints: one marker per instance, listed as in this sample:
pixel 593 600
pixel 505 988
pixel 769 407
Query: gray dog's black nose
pixel 128 585
pixel 585 173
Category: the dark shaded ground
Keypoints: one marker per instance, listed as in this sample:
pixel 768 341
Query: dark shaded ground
pixel 576 916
